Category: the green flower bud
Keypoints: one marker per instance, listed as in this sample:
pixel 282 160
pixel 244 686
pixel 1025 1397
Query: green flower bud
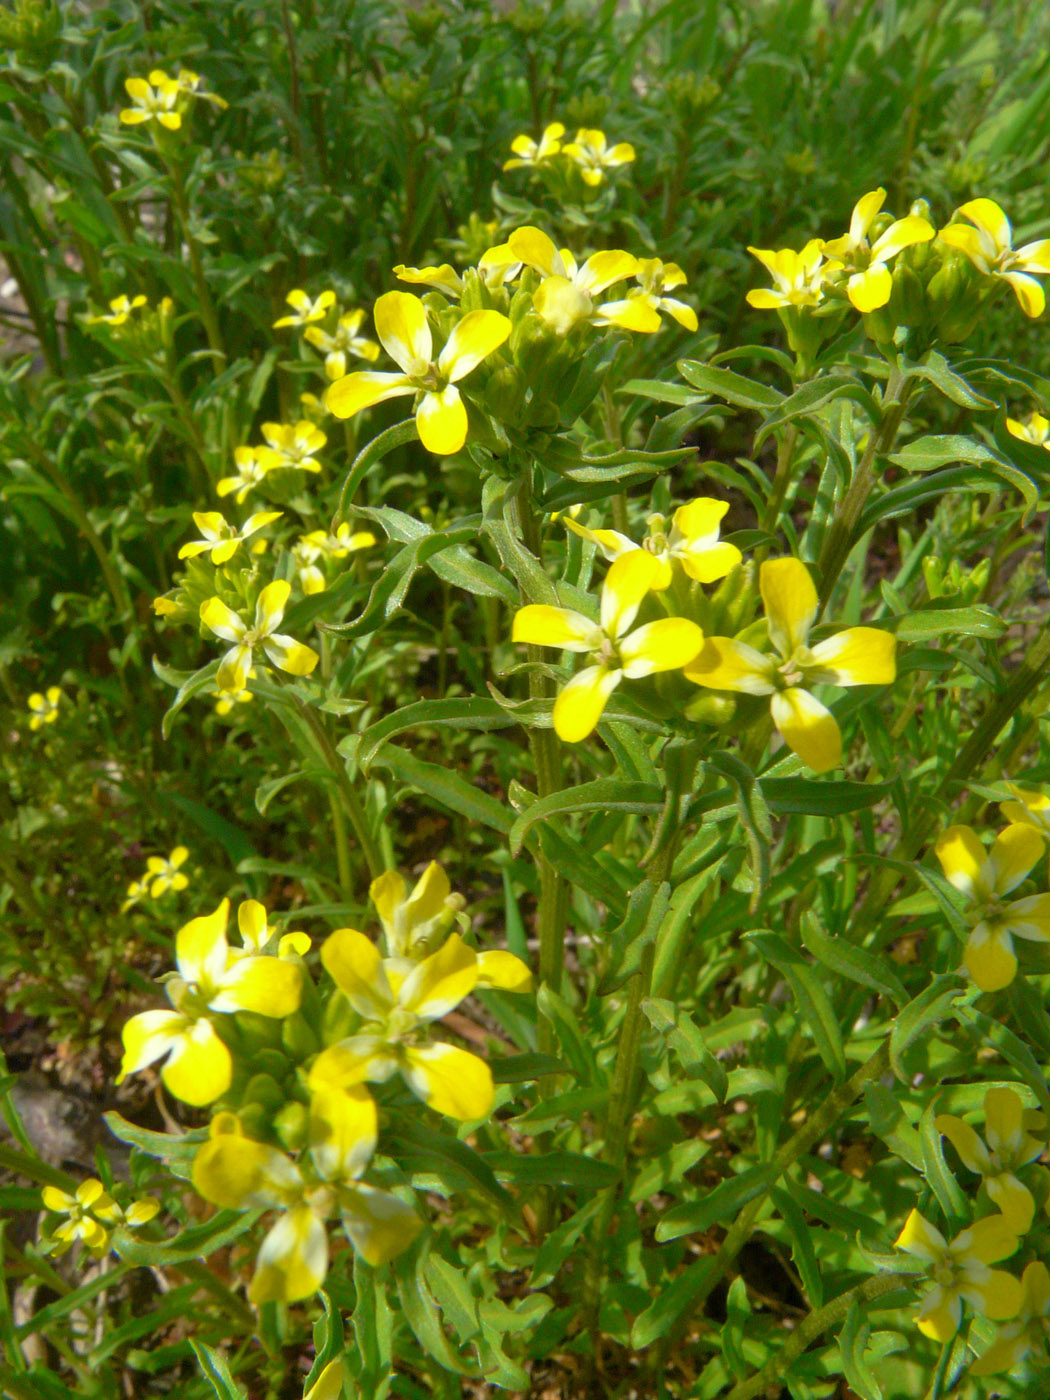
pixel 264 1090
pixel 292 1126
pixel 339 1020
pixel 299 1037
pixel 712 708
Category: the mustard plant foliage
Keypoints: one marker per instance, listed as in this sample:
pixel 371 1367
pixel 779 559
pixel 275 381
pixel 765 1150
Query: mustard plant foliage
pixel 526 788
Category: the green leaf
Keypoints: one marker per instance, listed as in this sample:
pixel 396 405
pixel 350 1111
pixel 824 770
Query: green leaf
pixel 686 1039
pixel 814 395
pixel 446 787
pixel 721 1204
pixel 418 1147
pixel 554 1168
pixel 813 1002
pixel 974 621
pixel 921 1014
pixel 367 458
pixel 215 1369
pixel 802 1250
pixel 925 453
pixel 520 1069
pixel 232 839
pixel 852 1341
pixel 811 797
pixel 189 685
pixel 734 388
pixel 852 962
pixel 423 1315
pixel 463 712
pixel 575 1044
pixel 938 1177
pixel 939 372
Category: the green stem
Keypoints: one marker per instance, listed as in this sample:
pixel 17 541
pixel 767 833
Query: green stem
pixel 814 1326
pixel 941 1374
pixel 342 851
pixel 839 540
pixel 778 490
pixel 205 304
pixel 351 804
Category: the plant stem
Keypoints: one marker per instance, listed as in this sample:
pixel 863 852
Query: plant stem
pixel 351 804
pixel 206 305
pixel 778 490
pixel 812 1327
pixel 937 1388
pixel 839 540
pixel 342 853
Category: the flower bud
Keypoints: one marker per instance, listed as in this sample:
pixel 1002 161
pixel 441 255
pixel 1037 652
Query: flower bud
pixel 299 1037
pixel 264 1090
pixel 292 1126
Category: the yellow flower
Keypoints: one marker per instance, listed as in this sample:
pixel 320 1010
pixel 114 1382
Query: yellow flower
pixel 396 1001
pixel 43 709
pixel 402 326
pixel 857 656
pixel 138 890
pixel 657 278
pixel 498 266
pixel 320 544
pixel 257 936
pixel 799 277
pixel 1030 808
pixel 960 1274
pixel 411 921
pixel 140 1212
pixel 592 153
pixel 443 278
pixel 153 101
pixel 1035 429
pixel 120 308
pixel 191 83
pixel 81 1225
pixel 285 652
pixel 565 297
pixel 1009 1147
pixel 221 539
pixel 237 1173
pixel 292 446
pixel 692 541
pixel 163 874
pixel 529 152
pixel 345 341
pixel 305 309
pixel 1028 1331
pixel 985 878
pixel 252 466
pixel 227 699
pixel 988 245
pixel 870 281
pixel 210 980
pixel 615 651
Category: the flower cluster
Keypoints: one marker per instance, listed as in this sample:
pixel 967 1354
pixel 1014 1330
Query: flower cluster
pixel 92 1215
pixel 590 153
pixel 334 332
pixel 296 658
pixel 319 547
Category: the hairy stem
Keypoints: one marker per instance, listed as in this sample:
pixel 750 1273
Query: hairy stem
pixel 351 803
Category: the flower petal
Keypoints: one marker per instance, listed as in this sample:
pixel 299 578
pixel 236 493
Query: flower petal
pixel 440 982
pixel 940 1320
pixel 201 950
pixel 1013 854
pixel 441 419
pixel 532 246
pixel 354 965
pixel 665 645
pixel 790 601
pixel 1029 918
pixel 997 1296
pixel 989 958
pixel 708 562
pixel 988 217
pixel 963 860
pixel 353 392
pixel 329 1384
pixel 904 233
pixel 252 923
pixel 870 289
pixel 221 620
pixel 967 241
pixel 290 656
pixel 864 212
pixel 542 625
pixel 579 705
pixel 503 971
pixel 476 336
pixel 401 324
pixel 603 269
pixel 344 1129
pixel 1004 1119
pixel 270 605
pixel 972 1152
pixel 147 1037
pixel 1014 1200
pixel 723 663
pixel 199 1069
pixel 807 727
pixel 1028 291
pixel 352 1062
pixel 921 1238
pixel 267 986
pixel 378 1225
pixel 700 518
pixel 857 656
pixel 451 1081
pixel 237 1173
pixel 628 581
pixel 292 1260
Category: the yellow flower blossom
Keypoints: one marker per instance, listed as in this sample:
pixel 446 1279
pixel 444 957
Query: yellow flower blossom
pixel 165 873
pixel 345 341
pixel 986 878
pixel 798 277
pixel 529 152
pixel 120 308
pixel 191 83
pixel 1029 808
pixel 228 699
pixel 870 280
pixel 656 279
pixel 960 1274
pixel 692 541
pixel 402 326
pixel 211 980
pixel 498 266
pixel 140 1212
pixel 615 651
pixel 320 544
pixel 257 937
pixel 43 709
pixel 988 245
pixel 237 1173
pixel 565 297
pixel 1027 1333
pixel 291 446
pixel 396 1001
pixel 80 1209
pixel 411 920
pixel 856 656
pixel 252 466
pixel 153 101
pixel 138 890
pixel 305 309
pixel 443 278
pixel 286 654
pixel 1034 429
pixel 221 539
pixel 1007 1147
pixel 594 156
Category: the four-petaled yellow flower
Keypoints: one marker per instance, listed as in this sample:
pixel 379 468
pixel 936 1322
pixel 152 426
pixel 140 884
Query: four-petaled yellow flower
pixel 251 468
pixel 305 309
pixel 212 980
pixel 285 652
pixel 43 709
pixel 656 278
pixel 1027 1333
pixel 165 873
pixel 191 83
pixel 986 878
pixel 988 245
pixel 1029 808
pixel 870 281
pixel 411 921
pixel 960 1272
pixel 120 308
pixel 565 297
pixel 529 152
pixel 154 100
pixel 692 540
pixel 396 1000
pixel 594 156
pixel 615 651
pixel 291 446
pixel 221 539
pixel 238 1173
pixel 1008 1146
pixel 80 1209
pixel 1034 429
pixel 402 326
pixel 227 699
pixel 346 340
pixel 856 656
pixel 798 277
pixel 320 544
